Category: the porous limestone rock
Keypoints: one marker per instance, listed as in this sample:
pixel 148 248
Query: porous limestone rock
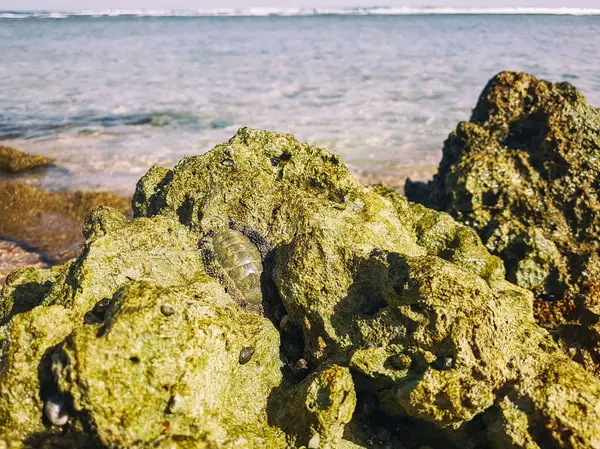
pixel 374 297
pixel 524 172
pixel 40 308
pixel 164 363
pixel 361 267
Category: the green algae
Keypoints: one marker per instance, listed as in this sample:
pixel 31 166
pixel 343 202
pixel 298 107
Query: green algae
pixel 14 161
pixel 524 173
pixel 383 322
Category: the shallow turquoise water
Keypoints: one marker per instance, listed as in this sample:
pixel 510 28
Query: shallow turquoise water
pixel 110 96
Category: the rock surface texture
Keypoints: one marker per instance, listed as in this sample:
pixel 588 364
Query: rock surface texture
pixel 380 323
pixel 525 173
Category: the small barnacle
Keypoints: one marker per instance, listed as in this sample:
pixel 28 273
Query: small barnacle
pixel 167 309
pixel 241 261
pixel 227 162
pixel 246 354
pixel 55 410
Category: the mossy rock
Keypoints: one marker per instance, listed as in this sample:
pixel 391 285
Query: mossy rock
pixel 524 173
pixel 14 161
pixel 364 295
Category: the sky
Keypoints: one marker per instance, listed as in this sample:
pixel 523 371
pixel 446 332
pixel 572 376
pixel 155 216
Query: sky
pixel 76 5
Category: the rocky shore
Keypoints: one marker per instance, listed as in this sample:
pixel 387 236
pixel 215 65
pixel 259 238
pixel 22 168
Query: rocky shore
pixel 525 172
pixel 261 296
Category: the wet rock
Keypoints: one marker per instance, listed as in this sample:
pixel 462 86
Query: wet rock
pixel 13 160
pixel 13 256
pixel 364 277
pixel 50 223
pixel 524 173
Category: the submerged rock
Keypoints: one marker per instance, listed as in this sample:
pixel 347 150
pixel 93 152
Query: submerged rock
pixel 13 160
pixel 524 172
pixel 50 223
pixel 381 324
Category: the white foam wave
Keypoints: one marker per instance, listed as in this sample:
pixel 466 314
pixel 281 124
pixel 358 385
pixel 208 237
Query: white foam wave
pixel 263 12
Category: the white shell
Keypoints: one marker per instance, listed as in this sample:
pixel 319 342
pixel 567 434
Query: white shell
pixel 54 409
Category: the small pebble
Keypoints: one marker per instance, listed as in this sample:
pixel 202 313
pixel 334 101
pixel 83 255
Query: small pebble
pixel 284 322
pixel 246 354
pixel 167 309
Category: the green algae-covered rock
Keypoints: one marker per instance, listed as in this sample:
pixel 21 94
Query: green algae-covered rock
pixel 165 363
pixel 382 323
pixel 42 307
pixel 362 268
pixel 13 160
pixel 524 173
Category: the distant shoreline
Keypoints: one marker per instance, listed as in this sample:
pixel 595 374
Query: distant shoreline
pixel 296 12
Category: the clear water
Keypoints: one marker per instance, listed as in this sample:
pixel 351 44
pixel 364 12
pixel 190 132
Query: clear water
pixel 110 96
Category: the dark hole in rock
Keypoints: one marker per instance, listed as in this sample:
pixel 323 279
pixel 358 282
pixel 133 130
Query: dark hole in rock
pixel 398 362
pixel 417 308
pixel 324 398
pixel 167 309
pixel 374 306
pixel 522 133
pixel 185 212
pixel 134 359
pixel 512 255
pixel 490 198
pixel 283 157
pixel 228 163
pixel 98 312
pixel 554 287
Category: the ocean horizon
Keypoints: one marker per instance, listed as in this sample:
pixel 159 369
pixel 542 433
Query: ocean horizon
pixel 287 12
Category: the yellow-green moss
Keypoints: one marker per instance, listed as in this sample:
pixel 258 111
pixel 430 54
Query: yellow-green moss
pixel 524 173
pixel 13 160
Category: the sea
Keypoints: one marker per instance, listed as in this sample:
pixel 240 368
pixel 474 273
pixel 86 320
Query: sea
pixel 110 93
